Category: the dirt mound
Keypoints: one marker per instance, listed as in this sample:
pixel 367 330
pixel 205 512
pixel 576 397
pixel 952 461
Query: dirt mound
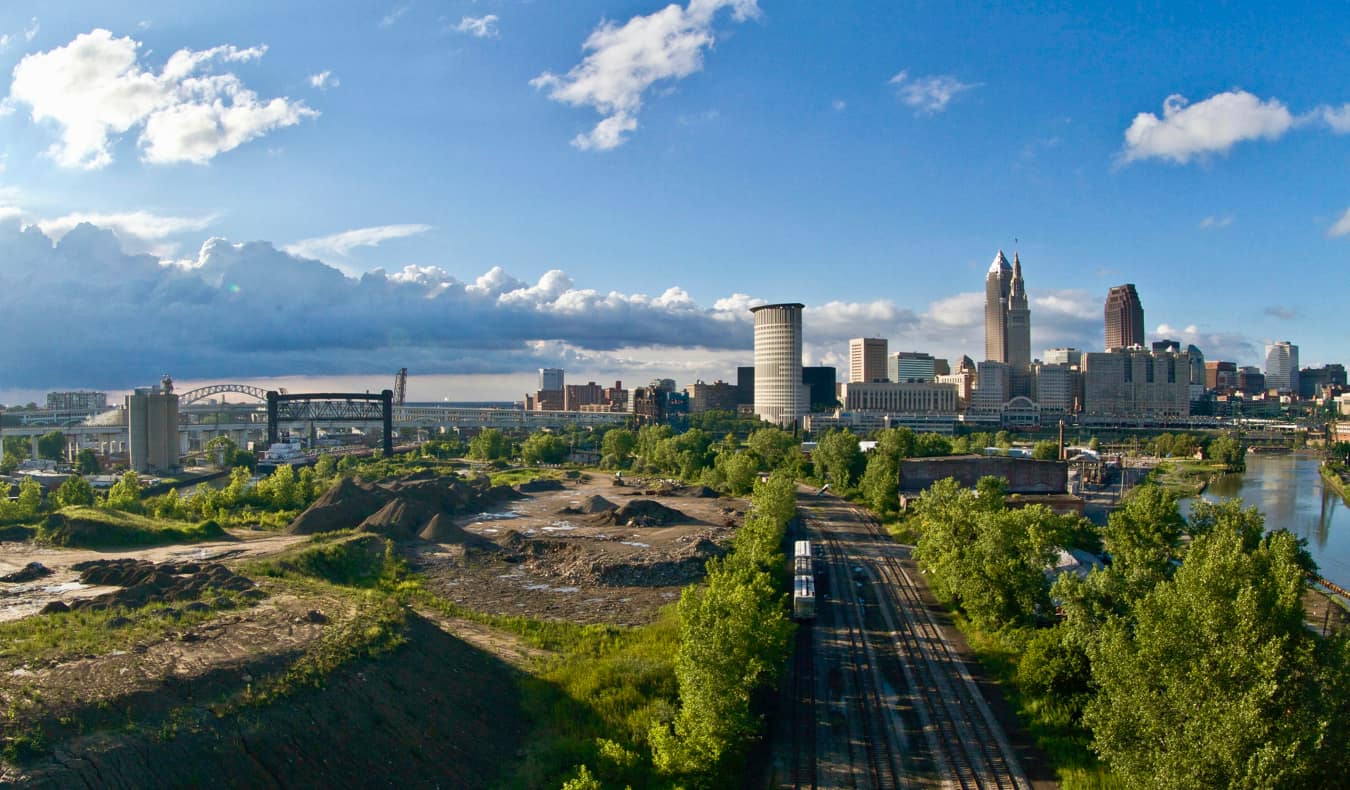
pixel 542 484
pixel 400 519
pixel 643 513
pixel 146 582
pixel 344 505
pixel 17 533
pixel 589 506
pixel 504 493
pixel 681 566
pixel 443 529
pixel 702 492
pixel 417 717
pixel 28 573
pixel 398 508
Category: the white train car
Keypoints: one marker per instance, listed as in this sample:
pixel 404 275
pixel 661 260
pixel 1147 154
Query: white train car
pixel 802 562
pixel 803 597
pixel 803 581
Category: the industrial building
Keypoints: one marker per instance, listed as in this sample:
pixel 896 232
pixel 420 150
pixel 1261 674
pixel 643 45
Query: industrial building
pixel 152 428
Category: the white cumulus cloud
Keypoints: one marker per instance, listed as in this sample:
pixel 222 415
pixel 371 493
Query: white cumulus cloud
pixel 1342 225
pixel 1215 222
pixel 95 90
pixel 139 231
pixel 1338 118
pixel 1213 126
pixel 624 61
pixel 324 80
pixel 479 27
pixel 929 95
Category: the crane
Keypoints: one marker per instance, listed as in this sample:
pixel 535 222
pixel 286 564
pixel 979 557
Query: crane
pixel 400 386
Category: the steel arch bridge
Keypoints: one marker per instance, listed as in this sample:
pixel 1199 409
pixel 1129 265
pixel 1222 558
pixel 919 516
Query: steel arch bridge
pixel 192 396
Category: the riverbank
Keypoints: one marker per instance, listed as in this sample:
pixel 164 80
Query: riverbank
pixel 1187 477
pixel 1335 480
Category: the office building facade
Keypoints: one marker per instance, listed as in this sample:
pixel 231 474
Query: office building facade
pixel 867 359
pixel 1007 316
pixel 780 396
pixel 1282 367
pixel 1124 318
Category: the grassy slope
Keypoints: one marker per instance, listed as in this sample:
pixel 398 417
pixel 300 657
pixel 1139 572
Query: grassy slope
pixel 90 526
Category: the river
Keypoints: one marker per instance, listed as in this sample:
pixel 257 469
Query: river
pixel 1289 491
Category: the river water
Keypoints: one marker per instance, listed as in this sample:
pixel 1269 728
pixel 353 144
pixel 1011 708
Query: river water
pixel 1290 492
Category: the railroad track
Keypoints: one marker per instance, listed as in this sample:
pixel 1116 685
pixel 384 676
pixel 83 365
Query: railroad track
pixel 965 744
pixel 804 710
pixel 877 753
pixel 970 743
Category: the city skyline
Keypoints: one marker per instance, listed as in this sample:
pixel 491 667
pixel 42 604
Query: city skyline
pixel 543 211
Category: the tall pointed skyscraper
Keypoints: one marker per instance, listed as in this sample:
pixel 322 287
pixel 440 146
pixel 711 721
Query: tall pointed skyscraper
pixel 997 291
pixel 1019 320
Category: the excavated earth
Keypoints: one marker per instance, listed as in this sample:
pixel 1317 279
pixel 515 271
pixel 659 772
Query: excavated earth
pixel 582 550
pixel 442 709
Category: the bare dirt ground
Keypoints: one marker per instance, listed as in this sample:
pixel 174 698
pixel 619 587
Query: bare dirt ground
pixel 26 598
pixel 580 566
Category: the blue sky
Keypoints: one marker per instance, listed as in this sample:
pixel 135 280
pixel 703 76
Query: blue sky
pixel 553 170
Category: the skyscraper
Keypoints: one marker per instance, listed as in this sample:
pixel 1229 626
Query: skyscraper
pixel 780 396
pixel 1282 366
pixel 866 359
pixel 551 379
pixel 1124 318
pixel 1019 320
pixel 997 288
pixel 1007 316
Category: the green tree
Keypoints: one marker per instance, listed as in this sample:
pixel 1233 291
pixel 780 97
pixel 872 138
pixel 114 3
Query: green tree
pixel 839 458
pixel 1340 452
pixel 1226 450
pixel 739 470
pixel 52 446
pixel 544 448
pixel 279 489
pixel 1002 440
pixel 16 446
pixel 881 481
pixel 619 443
pixel 773 446
pixel 733 636
pixel 326 466
pixel 1045 451
pixel 30 498
pixel 1214 681
pixel 86 462
pixel 75 491
pixel 1143 538
pixel 928 445
pixel 898 443
pixel 489 445
pixel 125 493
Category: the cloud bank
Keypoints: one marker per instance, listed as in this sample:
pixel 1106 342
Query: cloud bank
pixel 94 90
pixel 251 310
pixel 625 61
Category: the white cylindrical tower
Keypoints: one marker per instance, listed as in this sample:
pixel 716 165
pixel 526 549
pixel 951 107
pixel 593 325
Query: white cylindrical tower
pixel 779 396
